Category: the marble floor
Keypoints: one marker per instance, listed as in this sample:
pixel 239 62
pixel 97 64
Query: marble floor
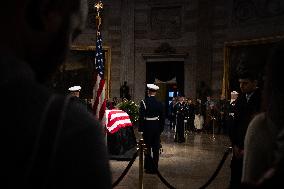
pixel 186 165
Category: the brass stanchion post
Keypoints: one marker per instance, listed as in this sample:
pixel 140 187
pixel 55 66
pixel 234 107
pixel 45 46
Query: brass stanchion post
pixel 213 119
pixel 141 163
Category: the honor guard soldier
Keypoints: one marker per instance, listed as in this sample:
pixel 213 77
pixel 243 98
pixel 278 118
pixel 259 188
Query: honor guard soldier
pixel 151 123
pixel 180 117
pixel 189 115
pixel 75 91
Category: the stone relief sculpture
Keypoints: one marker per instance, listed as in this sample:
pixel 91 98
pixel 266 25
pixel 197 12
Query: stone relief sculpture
pixel 250 10
pixel 165 22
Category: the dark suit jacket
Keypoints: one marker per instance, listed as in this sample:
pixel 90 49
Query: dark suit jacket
pixel 243 113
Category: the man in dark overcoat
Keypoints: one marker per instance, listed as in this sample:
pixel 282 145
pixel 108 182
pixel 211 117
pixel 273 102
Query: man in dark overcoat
pixel 246 106
pixel 151 123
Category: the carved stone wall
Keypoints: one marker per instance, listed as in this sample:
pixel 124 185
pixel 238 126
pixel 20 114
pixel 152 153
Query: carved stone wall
pixel 204 43
pixel 127 44
pixel 165 22
pixel 198 28
pixel 169 22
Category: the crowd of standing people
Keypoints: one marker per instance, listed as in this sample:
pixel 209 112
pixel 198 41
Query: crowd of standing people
pixel 186 115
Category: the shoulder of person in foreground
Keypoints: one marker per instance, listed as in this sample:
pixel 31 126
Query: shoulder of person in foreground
pixel 84 159
pixel 256 149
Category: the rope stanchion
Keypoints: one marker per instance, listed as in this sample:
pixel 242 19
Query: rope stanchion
pixel 141 152
pixel 227 152
pixel 213 129
pixel 126 170
pixel 159 174
pixel 164 180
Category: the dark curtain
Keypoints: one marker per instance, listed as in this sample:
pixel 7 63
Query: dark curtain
pixel 166 71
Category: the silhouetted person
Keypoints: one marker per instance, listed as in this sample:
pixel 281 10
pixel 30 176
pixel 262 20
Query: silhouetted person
pixel 124 91
pixel 48 140
pixel 246 107
pixel 180 112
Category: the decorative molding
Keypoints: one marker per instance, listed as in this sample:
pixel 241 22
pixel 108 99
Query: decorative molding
pixel 156 57
pixel 165 48
pixel 262 40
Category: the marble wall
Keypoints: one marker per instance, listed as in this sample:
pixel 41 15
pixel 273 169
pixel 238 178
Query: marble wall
pixel 198 29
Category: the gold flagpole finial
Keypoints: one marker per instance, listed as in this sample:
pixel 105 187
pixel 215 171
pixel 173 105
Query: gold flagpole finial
pixel 98 6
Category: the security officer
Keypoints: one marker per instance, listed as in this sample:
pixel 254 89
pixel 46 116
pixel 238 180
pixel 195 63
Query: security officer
pixel 151 123
pixel 180 117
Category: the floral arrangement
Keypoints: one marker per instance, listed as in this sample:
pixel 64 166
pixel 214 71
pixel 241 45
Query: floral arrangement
pixel 131 108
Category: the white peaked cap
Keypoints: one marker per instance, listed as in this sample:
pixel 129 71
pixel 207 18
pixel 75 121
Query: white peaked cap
pixel 234 92
pixel 75 88
pixel 152 87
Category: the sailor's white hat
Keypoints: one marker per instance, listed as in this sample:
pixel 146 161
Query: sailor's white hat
pixel 234 92
pixel 152 87
pixel 75 88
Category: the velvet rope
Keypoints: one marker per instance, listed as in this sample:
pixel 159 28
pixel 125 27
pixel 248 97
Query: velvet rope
pixel 126 170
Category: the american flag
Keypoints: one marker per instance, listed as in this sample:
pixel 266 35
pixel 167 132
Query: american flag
pixel 115 120
pixel 99 106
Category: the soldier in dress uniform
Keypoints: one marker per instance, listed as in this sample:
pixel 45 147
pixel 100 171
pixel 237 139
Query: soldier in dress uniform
pixel 189 115
pixel 231 115
pixel 74 91
pixel 180 117
pixel 172 117
pixel 151 123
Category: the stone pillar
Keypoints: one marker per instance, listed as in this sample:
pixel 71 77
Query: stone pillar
pixel 204 42
pixel 127 43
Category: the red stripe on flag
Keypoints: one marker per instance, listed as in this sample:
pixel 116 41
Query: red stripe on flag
pixel 116 119
pixel 102 110
pixel 111 122
pixel 119 127
pixel 99 106
pixel 112 112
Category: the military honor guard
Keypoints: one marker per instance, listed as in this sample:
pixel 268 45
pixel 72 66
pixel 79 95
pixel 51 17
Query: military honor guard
pixel 180 111
pixel 75 90
pixel 189 115
pixel 151 124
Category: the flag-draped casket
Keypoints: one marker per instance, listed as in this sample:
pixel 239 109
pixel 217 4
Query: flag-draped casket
pixel 121 139
pixel 115 120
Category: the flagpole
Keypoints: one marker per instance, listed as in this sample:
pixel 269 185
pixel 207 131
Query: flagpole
pixel 99 7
